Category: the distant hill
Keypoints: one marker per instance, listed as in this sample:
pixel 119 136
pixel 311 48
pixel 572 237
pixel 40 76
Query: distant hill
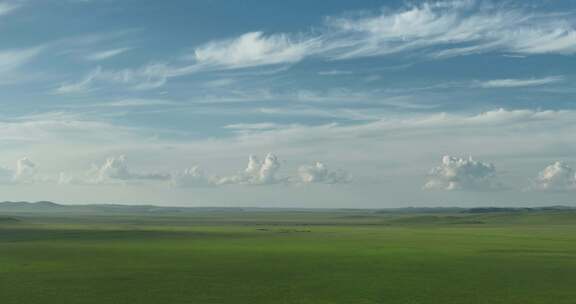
pixel 423 210
pixel 51 207
pixel 8 220
pixel 47 207
pixel 28 205
pixel 507 210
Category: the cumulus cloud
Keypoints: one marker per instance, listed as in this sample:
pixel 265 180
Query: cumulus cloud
pixel 463 174
pixel 257 172
pixel 191 177
pixel 115 169
pixel 26 171
pixel 556 177
pixel 319 173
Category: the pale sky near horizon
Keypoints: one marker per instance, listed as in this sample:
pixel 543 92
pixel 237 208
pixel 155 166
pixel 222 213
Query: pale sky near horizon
pixel 342 103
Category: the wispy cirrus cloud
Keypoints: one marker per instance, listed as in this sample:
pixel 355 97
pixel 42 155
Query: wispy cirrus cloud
pixel 431 129
pixel 334 73
pixel 255 49
pixel 13 60
pixel 80 87
pixel 8 7
pixel 56 127
pixel 107 54
pixel 454 28
pixel 514 83
pixel 430 30
pixel 249 50
pixel 148 77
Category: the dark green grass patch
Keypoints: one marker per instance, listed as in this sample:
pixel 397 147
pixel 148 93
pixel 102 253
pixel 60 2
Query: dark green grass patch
pixel 141 261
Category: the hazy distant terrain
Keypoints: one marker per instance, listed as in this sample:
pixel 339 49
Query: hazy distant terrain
pixel 81 254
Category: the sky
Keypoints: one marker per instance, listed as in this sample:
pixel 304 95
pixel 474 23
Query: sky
pixel 348 104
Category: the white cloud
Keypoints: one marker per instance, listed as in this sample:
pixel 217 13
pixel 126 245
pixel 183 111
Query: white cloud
pixel 254 49
pixel 148 77
pixel 62 128
pixel 556 177
pixel 453 28
pixel 431 29
pixel 11 61
pixel 7 8
pixel 514 83
pixel 407 140
pixel 26 171
pixel 334 73
pixel 116 169
pixel 463 174
pixel 191 177
pixel 253 126
pixel 103 55
pixel 83 86
pixel 552 38
pixel 134 102
pixel 319 173
pixel 257 172
pixel 248 50
pixel 521 123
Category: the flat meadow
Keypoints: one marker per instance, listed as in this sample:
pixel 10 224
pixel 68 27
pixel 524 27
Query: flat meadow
pixel 288 257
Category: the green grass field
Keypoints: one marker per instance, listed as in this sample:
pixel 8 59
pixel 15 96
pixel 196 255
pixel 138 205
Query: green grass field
pixel 289 257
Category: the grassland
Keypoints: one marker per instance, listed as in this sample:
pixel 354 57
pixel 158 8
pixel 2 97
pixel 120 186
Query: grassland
pixel 288 257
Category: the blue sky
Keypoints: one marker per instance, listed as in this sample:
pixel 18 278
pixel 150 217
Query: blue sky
pixel 342 103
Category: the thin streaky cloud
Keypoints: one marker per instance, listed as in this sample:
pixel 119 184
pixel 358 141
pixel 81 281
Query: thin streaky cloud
pixel 514 83
pixel 431 31
pixel 7 8
pixel 103 55
pixel 335 73
pixel 81 87
pixel 16 58
pixel 255 49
